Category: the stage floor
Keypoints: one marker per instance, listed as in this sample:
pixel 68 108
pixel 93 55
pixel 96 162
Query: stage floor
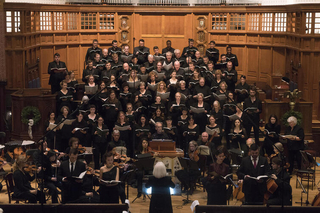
pixel 142 206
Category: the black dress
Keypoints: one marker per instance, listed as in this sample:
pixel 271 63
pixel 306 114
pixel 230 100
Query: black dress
pixel 109 194
pixel 216 188
pixel 161 199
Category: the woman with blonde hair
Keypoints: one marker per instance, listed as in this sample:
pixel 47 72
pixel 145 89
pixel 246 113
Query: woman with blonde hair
pixel 160 183
pixel 22 178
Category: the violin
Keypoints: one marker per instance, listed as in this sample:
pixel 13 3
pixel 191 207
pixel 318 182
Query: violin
pixel 91 171
pixel 30 168
pixel 81 149
pixel 16 152
pixel 194 156
pixel 55 150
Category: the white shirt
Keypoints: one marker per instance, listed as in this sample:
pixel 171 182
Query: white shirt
pixel 257 160
pixel 74 165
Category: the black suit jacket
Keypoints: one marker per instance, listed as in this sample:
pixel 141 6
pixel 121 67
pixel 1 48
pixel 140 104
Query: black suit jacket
pixel 246 168
pixel 71 190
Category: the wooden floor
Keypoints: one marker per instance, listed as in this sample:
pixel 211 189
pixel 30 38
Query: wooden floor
pixel 142 206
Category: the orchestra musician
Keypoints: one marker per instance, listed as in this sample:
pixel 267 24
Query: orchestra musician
pixel 56 76
pixel 71 188
pixel 22 179
pixel 90 179
pixel 282 179
pixel 253 166
pixel 188 177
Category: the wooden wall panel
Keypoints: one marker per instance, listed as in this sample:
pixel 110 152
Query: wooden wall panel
pixel 45 58
pixel 151 24
pixel 46 39
pixel 253 39
pixel 306 66
pixel 279 61
pixel 73 38
pixel 60 38
pixel 174 25
pixel 265 65
pixel 239 51
pixel 72 63
pixel 253 64
pixel 315 85
pixel 107 37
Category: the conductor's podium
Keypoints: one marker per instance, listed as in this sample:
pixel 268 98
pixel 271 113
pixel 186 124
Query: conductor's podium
pixel 167 154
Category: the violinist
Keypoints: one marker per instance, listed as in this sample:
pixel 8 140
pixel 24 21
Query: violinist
pixel 22 178
pixel 50 175
pixel 73 144
pixel 188 177
pixel 282 180
pixel 216 185
pixel 90 179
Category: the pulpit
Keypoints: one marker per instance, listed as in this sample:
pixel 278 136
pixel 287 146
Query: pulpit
pixel 39 98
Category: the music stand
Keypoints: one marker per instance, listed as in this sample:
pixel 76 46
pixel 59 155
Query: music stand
pixel 188 164
pixel 127 176
pixel 121 150
pixel 144 165
pixel 303 191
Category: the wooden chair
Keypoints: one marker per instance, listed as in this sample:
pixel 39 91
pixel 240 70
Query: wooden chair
pixel 10 186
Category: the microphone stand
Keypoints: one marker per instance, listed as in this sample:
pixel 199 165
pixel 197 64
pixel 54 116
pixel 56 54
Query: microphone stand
pixel 42 140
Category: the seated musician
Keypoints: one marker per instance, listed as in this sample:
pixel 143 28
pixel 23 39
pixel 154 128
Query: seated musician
pixel 282 179
pixel 49 174
pixel 188 178
pixel 109 192
pixel 22 179
pixel 216 185
pixel 73 144
pixel 71 188
pixel 115 141
pixel 253 166
pixel 159 134
pixel 90 179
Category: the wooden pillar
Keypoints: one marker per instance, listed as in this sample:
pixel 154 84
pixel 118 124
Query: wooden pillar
pixel 3 77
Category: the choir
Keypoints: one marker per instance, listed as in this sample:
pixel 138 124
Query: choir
pixel 130 99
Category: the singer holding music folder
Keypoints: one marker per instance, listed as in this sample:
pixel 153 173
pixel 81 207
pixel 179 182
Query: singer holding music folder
pixel 217 179
pixel 57 70
pixel 252 167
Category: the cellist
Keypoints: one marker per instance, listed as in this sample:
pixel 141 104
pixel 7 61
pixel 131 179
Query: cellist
pixel 282 179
